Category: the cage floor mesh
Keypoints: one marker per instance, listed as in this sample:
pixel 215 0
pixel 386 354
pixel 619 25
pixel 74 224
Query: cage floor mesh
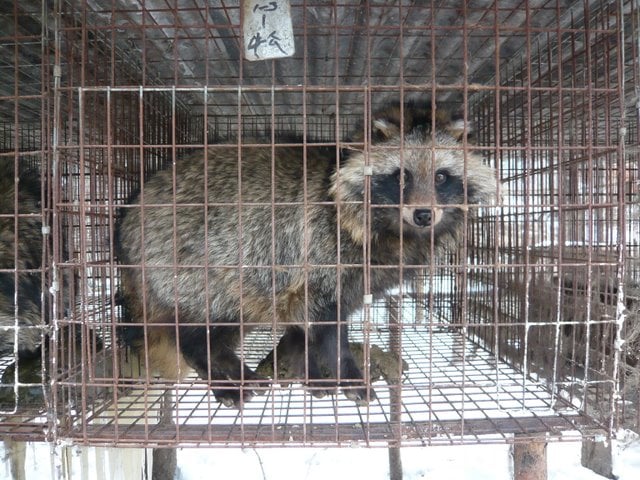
pixel 453 392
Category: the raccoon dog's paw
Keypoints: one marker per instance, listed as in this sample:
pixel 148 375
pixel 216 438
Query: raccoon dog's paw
pixel 321 361
pixel 324 352
pixel 353 387
pixel 351 381
pixel 360 395
pixel 233 394
pixel 355 391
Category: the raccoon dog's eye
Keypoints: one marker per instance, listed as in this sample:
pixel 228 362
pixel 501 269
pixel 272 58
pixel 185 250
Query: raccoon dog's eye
pixel 441 177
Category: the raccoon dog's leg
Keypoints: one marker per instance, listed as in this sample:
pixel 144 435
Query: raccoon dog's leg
pixel 216 359
pixel 329 342
pixel 291 355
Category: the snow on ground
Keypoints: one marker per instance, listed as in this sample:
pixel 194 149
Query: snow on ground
pixel 469 462
pixel 481 462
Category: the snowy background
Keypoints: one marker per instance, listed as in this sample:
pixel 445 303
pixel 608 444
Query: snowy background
pixel 473 462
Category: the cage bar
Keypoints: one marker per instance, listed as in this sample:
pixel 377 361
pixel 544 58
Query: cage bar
pixel 529 327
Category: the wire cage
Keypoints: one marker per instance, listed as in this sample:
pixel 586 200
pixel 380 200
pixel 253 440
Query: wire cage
pixel 528 326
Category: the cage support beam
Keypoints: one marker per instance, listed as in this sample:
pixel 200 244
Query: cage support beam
pixel 596 455
pixel 529 458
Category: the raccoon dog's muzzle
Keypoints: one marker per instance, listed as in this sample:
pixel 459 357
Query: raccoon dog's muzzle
pixel 421 217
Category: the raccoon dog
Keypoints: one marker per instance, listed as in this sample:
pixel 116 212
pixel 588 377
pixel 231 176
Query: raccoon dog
pixel 259 239
pixel 20 260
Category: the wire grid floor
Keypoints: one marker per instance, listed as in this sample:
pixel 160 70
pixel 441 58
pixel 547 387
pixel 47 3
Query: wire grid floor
pixel 453 392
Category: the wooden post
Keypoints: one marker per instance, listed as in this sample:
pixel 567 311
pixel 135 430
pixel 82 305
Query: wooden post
pixel 529 459
pixel 164 464
pixel 395 464
pixel 596 455
pixel 15 451
pixel 395 388
pixel 165 459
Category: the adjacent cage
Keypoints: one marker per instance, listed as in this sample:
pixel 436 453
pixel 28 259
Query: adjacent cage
pixel 528 326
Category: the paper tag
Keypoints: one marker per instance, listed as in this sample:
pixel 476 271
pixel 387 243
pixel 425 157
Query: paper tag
pixel 267 29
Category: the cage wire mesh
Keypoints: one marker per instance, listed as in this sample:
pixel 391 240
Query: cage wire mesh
pixel 529 326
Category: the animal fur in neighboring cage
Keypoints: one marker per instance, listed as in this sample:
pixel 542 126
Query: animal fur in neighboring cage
pixel 21 313
pixel 564 321
pixel 281 234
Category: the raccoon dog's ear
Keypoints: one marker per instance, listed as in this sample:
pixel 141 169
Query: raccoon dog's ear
pixel 392 120
pixel 457 128
pixel 419 114
pixel 416 115
pixel 383 129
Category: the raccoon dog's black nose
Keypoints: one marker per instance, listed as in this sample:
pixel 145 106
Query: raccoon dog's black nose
pixel 422 217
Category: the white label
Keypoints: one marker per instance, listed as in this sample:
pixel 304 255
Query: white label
pixel 267 29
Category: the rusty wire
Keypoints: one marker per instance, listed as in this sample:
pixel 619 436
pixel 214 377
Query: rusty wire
pixel 512 334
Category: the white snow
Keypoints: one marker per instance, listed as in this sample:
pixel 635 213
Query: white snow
pixel 467 462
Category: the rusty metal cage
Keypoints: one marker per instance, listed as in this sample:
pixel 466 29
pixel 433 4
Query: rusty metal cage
pixel 530 326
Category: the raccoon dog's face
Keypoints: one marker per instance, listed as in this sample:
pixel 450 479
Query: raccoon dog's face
pixel 420 185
